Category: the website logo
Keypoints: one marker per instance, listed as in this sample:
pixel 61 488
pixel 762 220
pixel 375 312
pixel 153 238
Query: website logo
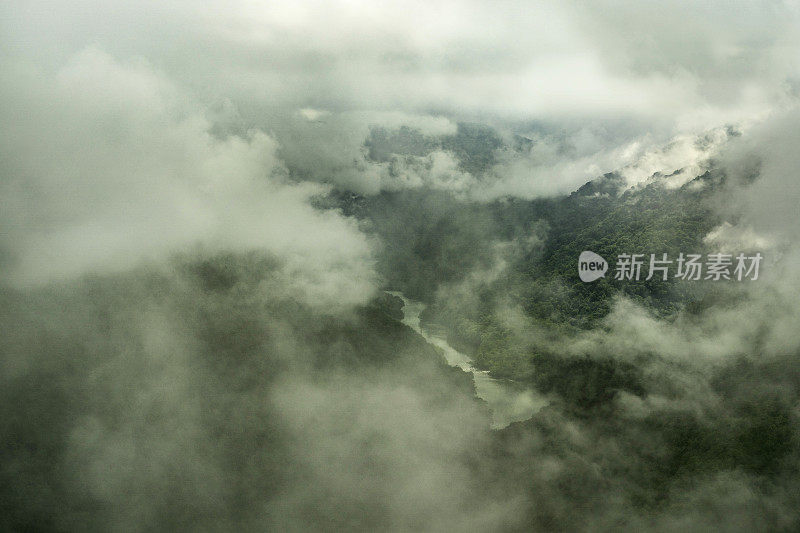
pixel 591 266
pixel 689 267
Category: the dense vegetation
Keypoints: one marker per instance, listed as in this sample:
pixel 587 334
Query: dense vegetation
pixel 434 240
pixel 732 456
pixel 187 365
pixel 208 394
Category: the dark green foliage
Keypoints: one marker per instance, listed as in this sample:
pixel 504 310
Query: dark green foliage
pixel 585 383
pixel 618 453
pixel 474 146
pixel 382 144
pixel 649 220
pixel 146 360
pixel 391 305
pixel 433 239
pixel 429 237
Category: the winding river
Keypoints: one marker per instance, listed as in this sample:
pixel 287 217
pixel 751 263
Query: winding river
pixel 509 401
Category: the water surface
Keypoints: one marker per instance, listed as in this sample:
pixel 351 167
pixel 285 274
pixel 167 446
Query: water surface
pixel 508 401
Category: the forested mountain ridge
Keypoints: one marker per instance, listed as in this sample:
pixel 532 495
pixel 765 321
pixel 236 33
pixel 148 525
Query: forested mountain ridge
pixel 524 253
pixel 203 358
pixel 298 267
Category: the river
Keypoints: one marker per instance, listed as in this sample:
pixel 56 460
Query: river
pixel 508 401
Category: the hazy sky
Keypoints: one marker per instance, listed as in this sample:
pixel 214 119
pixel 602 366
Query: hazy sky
pixel 678 61
pixel 125 120
pixel 134 132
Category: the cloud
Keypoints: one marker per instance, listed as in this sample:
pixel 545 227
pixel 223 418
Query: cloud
pixel 201 397
pixel 676 70
pixel 404 461
pixel 212 372
pixel 729 323
pixel 108 164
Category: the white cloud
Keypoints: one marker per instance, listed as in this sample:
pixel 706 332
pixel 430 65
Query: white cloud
pixel 316 75
pixel 111 163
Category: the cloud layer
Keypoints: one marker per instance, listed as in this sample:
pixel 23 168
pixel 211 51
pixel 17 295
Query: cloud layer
pixel 108 164
pixel 596 87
